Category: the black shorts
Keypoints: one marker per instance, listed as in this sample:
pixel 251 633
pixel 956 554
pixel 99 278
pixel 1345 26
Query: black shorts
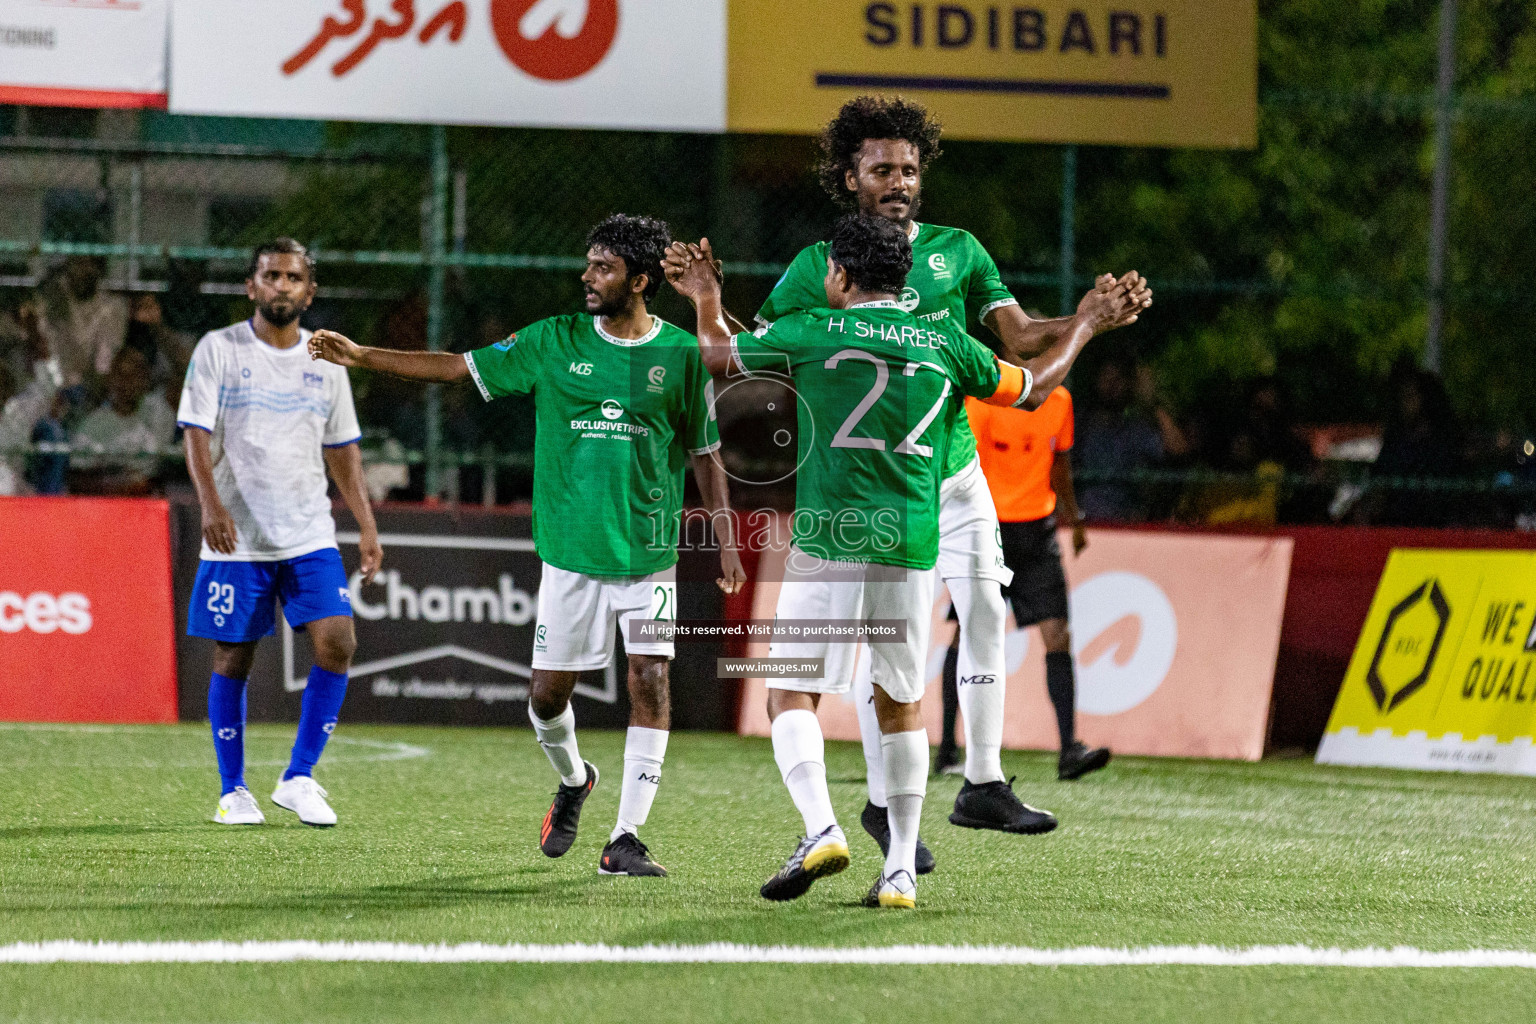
pixel 1039 588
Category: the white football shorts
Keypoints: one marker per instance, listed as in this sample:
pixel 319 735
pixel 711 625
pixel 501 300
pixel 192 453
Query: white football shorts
pixel 970 543
pixel 578 614
pixel 817 589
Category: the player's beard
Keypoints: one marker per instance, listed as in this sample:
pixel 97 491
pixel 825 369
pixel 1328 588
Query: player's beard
pixel 914 200
pixel 607 307
pixel 280 313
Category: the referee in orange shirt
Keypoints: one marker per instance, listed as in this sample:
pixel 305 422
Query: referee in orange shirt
pixel 1024 457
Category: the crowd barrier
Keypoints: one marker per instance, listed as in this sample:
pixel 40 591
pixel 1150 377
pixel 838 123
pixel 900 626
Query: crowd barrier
pixel 445 631
pixel 85 611
pixel 113 562
pixel 1175 638
pixel 1443 676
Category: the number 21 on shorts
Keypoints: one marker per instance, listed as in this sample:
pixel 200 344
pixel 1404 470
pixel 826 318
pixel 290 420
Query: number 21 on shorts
pixel 664 601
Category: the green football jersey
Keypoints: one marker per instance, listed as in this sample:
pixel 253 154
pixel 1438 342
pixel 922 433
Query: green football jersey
pixel 949 269
pixel 876 414
pixel 617 419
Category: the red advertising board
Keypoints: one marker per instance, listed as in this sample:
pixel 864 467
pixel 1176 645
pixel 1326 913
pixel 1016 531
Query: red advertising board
pixel 86 624
pixel 1175 638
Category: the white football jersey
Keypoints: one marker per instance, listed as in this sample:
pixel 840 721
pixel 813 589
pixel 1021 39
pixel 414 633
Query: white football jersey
pixel 271 413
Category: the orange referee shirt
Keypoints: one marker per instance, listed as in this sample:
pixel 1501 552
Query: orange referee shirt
pixel 1017 449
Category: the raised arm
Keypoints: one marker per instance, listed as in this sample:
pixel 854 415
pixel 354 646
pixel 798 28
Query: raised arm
pixel 699 284
pixel 1024 337
pixel 1099 310
pixel 677 261
pixel 442 367
pixel 345 463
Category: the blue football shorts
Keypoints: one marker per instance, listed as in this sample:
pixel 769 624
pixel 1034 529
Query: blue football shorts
pixel 236 601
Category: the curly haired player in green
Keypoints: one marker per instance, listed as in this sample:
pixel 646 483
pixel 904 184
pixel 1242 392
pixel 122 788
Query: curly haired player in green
pixel 874 153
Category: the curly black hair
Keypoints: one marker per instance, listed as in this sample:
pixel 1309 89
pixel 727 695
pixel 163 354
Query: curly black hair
pixel 640 242
pixel 872 117
pixel 875 252
pixel 283 246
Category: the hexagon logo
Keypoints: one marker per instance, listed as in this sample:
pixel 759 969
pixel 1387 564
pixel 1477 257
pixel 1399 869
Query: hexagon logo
pixel 1410 641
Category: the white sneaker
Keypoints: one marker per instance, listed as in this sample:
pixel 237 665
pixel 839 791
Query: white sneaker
pixel 238 807
pixel 897 891
pixel 303 796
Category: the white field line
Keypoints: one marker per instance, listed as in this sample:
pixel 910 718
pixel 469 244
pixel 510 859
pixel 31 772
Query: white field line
pixel 382 750
pixel 70 951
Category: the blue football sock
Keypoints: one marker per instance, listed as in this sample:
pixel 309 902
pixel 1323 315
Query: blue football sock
pixel 226 714
pixel 317 719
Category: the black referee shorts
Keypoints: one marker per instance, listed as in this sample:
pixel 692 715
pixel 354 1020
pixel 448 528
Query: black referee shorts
pixel 1039 588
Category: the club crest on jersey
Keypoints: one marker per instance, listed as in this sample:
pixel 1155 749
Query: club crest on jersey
pixel 583 369
pixel 656 376
pixel 909 299
pixel 612 410
pixel 938 265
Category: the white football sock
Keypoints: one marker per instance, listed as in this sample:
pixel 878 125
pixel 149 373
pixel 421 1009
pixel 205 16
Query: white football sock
pixel 906 782
pixel 644 750
pixel 799 749
pixel 869 727
pixel 979 607
pixel 558 738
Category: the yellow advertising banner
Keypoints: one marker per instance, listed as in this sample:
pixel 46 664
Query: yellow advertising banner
pixel 1111 72
pixel 1444 675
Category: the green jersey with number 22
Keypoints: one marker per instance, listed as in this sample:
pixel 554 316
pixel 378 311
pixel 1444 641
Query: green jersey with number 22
pixel 949 269
pixel 876 414
pixel 617 419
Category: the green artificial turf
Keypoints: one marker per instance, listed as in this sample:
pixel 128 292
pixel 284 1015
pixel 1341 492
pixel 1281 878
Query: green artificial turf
pixel 104 836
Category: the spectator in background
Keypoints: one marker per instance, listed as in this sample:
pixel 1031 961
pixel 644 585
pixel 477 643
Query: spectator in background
pixel 27 415
pixel 84 325
pixel 1423 440
pixel 1125 429
pixel 1256 446
pixel 15 338
pixel 114 451
pixel 157 411
pixel 164 348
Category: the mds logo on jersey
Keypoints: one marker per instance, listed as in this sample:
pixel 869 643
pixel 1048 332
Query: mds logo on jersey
pixel 583 369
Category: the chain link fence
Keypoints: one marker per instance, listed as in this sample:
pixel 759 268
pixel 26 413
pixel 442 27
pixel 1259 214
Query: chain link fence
pixel 1292 283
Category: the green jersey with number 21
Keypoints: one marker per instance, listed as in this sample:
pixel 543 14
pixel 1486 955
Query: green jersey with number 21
pixel 949 269
pixel 617 419
pixel 876 415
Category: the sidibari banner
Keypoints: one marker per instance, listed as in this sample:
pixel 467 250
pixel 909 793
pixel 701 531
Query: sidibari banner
pixel 83 53
pixel 1109 72
pixel 1123 72
pixel 653 64
pixel 1174 637
pixel 85 611
pixel 1444 675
